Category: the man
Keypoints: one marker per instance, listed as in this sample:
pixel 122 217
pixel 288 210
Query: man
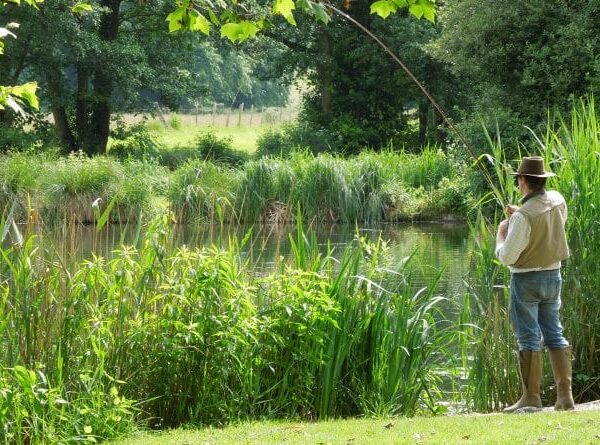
pixel 532 243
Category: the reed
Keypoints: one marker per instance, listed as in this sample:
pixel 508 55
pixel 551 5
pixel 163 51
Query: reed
pixel 193 336
pixel 572 145
pixel 202 191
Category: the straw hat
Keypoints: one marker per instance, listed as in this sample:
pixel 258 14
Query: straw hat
pixel 533 166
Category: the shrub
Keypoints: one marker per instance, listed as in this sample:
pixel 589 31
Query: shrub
pixel 134 142
pixel 212 148
pixel 272 143
pixel 175 122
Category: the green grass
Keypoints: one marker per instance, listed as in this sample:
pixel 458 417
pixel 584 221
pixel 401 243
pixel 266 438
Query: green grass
pixel 555 428
pixel 243 138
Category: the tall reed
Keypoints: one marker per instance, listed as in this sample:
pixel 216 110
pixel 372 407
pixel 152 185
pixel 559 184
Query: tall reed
pixel 194 337
pixel 571 146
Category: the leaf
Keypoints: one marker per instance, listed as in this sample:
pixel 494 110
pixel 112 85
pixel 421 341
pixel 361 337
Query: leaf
pixel 383 8
pixel 429 11
pixel 416 10
pixel 82 8
pixel 175 19
pixel 285 8
pixel 213 18
pixel 238 32
pixel 316 10
pixel 26 92
pixel 423 8
pixel 198 22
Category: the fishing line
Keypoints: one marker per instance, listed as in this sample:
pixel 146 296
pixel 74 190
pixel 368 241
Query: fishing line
pixel 436 105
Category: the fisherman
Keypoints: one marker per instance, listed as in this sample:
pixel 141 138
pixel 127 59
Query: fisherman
pixel 532 243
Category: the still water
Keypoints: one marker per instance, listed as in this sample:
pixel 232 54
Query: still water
pixel 434 248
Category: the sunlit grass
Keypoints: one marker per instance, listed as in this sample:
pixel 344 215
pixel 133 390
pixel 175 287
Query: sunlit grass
pixel 556 427
pixel 243 138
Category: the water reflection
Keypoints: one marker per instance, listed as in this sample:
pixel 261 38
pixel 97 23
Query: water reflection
pixel 434 246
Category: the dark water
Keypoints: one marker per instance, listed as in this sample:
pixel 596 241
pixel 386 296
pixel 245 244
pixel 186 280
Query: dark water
pixel 434 247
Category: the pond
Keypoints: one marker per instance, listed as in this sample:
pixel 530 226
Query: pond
pixel 434 247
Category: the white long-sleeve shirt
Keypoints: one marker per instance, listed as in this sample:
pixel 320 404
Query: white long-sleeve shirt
pixel 510 248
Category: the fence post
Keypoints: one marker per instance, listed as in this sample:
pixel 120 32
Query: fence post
pixel 214 113
pixel 228 114
pixel 251 113
pixel 240 111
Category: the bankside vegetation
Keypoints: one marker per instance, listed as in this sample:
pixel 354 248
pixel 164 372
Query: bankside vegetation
pixel 213 183
pixel 160 336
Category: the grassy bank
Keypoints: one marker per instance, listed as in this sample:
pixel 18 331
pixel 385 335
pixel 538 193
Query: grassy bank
pixel 555 428
pixel 373 187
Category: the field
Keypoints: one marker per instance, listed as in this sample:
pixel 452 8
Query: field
pixel 180 130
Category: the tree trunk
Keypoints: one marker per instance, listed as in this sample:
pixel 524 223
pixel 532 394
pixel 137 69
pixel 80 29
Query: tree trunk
pixel 61 122
pixel 324 68
pixel 81 109
pixel 103 84
pixel 63 131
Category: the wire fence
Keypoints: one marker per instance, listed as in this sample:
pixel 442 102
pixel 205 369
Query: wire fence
pixel 220 115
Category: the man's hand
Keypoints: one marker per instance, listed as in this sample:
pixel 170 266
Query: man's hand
pixel 510 209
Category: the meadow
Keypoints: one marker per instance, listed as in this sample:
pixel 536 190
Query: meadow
pixel 159 337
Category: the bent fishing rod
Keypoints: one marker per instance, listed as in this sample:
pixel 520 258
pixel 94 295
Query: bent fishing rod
pixel 497 193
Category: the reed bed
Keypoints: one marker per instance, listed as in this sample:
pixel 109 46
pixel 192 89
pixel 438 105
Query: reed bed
pixel 159 337
pixel 388 186
pixel 76 188
pixel 373 187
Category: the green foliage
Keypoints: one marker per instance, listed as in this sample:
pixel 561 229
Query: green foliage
pixel 272 143
pixel 371 187
pixel 199 338
pixel 67 189
pixel 202 191
pixel 522 60
pixel 135 142
pixel 212 148
pixel 175 122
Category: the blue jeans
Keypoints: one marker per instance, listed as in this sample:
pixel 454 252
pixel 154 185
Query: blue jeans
pixel 534 307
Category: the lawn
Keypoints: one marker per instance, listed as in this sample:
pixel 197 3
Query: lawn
pixel 243 134
pixel 582 427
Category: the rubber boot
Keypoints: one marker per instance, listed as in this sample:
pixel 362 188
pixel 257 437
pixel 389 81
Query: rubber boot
pixel 561 368
pixel 530 371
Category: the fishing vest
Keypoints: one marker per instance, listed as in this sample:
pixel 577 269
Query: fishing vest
pixel 546 214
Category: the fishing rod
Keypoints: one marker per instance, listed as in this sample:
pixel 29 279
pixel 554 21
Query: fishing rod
pixel 497 193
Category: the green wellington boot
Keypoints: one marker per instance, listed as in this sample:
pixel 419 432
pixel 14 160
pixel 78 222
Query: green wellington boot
pixel 561 368
pixel 530 370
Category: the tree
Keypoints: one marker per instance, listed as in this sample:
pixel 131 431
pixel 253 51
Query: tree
pixel 95 42
pixel 522 58
pixel 16 96
pixel 94 62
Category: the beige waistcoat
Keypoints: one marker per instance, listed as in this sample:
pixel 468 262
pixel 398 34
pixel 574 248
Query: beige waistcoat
pixel 546 214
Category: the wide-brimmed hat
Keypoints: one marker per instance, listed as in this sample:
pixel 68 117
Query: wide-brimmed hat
pixel 533 166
